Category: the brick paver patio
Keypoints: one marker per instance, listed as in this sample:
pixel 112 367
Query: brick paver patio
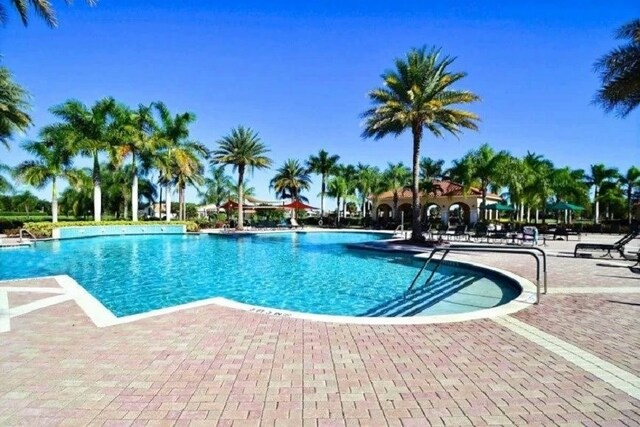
pixel 219 365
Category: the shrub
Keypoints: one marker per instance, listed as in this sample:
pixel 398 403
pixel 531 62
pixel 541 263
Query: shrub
pixel 45 229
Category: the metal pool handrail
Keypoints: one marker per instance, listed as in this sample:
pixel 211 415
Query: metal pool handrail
pixel 23 231
pixel 480 248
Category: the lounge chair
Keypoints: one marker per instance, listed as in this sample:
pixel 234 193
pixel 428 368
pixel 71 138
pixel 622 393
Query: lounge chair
pixel 617 246
pixel 480 232
pixel 446 232
pixel 294 223
pixel 460 233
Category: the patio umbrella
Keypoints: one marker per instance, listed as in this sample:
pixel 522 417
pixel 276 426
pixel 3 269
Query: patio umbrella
pixel 229 205
pixel 564 206
pixel 297 204
pixel 500 207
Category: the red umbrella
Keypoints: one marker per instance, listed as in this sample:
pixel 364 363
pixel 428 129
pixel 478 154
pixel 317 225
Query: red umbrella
pixel 229 205
pixel 297 204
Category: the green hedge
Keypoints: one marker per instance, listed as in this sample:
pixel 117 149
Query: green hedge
pixel 45 229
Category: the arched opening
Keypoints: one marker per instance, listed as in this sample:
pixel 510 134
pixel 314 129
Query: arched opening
pixel 384 212
pixel 431 213
pixel 459 213
pixel 406 209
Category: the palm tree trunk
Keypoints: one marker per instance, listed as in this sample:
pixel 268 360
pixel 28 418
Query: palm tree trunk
pixel 167 209
pixel 97 193
pixel 159 203
pixel 125 206
pixel 184 205
pixel 338 212
pixel 483 208
pixel 322 191
pixel 134 189
pixel 416 226
pixel 396 215
pixel 54 201
pixel 240 225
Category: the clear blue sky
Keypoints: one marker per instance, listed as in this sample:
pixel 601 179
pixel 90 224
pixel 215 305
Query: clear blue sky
pixel 298 71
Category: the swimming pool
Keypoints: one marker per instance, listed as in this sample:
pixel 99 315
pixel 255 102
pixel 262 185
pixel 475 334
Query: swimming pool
pixel 305 272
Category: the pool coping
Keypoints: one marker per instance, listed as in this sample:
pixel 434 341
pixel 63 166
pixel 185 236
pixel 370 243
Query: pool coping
pixel 101 316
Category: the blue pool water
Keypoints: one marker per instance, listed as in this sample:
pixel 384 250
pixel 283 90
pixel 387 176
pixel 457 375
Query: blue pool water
pixel 308 272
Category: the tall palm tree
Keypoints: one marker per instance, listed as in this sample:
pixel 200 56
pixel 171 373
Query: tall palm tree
pixel 620 72
pixel 187 170
pixel 570 186
pixel 13 103
pixel 172 134
pixel 600 174
pixel 136 133
pixel 76 199
pixel 488 168
pixel 338 189
pixel 350 175
pixel 43 8
pixel 367 179
pixel 91 132
pixel 324 165
pixel 290 180
pixel 217 186
pixel 241 149
pixel 630 181
pixel 418 95
pixel 53 158
pixel 397 177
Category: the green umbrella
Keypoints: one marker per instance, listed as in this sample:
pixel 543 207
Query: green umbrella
pixel 564 206
pixel 500 207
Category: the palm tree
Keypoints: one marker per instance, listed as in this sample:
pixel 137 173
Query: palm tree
pixel 630 181
pixel 43 8
pixel 324 165
pixel 5 184
pixel 488 167
pixel 338 189
pixel 620 72
pixel 290 180
pixel 537 187
pixel 367 179
pixel 600 174
pixel 417 95
pixel 570 186
pixel 241 149
pixel 172 135
pixel 218 186
pixel 350 175
pixel 53 159
pixel 90 131
pixel 76 199
pixel 14 103
pixel 187 170
pixel 137 130
pixel 397 177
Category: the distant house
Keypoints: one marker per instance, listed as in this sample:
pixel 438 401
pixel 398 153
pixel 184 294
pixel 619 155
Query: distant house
pixel 155 210
pixel 448 201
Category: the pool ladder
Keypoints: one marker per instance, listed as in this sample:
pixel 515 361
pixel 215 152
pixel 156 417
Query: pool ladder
pixel 537 253
pixel 23 232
